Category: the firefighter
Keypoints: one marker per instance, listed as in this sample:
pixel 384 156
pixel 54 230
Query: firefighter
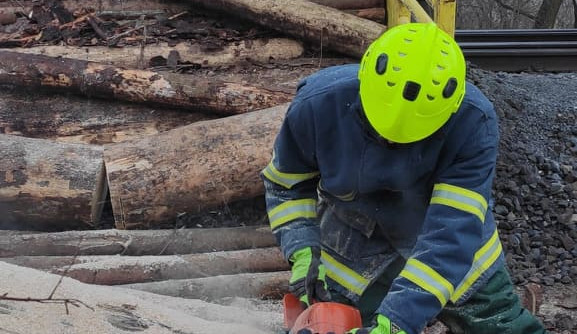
pixel 379 191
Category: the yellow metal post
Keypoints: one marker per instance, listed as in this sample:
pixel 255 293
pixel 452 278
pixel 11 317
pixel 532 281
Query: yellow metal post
pixel 397 13
pixel 445 14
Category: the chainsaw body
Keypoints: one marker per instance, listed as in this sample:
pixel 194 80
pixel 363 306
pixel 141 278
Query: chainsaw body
pixel 319 318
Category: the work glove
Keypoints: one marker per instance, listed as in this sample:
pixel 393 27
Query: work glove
pixel 381 325
pixel 307 282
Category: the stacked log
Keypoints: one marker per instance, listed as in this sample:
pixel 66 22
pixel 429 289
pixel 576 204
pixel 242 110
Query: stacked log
pixel 47 185
pixel 106 81
pixel 190 168
pixel 258 50
pixel 207 263
pixel 320 25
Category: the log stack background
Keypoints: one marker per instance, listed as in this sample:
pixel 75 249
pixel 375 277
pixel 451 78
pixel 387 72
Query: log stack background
pixel 133 114
pixel 151 137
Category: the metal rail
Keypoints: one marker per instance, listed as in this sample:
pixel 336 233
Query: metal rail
pixel 520 50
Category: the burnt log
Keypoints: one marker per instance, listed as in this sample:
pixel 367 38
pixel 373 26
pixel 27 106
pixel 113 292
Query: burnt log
pixel 75 119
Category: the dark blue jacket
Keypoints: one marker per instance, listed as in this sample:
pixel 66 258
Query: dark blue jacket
pixel 331 184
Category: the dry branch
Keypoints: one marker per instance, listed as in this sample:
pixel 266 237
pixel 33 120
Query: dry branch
pixel 113 270
pixel 190 168
pixel 49 186
pixel 136 243
pixel 261 285
pixel 106 81
pixel 320 25
pixel 260 50
pixel 78 120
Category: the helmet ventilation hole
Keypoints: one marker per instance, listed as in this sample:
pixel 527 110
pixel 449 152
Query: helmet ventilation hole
pixel 396 69
pixel 430 97
pixel 444 53
pixel 391 84
pixel 412 30
pixel 382 62
pixel 411 91
pixel 436 83
pixel 446 42
pixel 402 54
pixel 441 67
pixel 408 40
pixel 450 88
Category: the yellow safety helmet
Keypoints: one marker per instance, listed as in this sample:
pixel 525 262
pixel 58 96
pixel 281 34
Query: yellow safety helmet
pixel 412 78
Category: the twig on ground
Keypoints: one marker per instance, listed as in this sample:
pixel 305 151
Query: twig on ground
pixel 50 299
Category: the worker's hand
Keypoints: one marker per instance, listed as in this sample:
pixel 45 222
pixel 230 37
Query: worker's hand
pixel 308 276
pixel 381 325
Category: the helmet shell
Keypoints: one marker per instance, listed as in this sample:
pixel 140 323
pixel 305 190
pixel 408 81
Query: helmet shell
pixel 412 78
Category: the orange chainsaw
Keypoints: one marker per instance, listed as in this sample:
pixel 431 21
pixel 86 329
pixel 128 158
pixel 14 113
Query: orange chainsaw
pixel 319 318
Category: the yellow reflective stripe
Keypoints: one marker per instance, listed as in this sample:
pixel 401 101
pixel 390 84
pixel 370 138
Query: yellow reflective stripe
pixel 483 260
pixel 291 210
pixel 428 279
pixel 287 180
pixel 343 275
pixel 461 199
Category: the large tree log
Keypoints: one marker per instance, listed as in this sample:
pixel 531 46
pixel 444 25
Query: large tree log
pixel 113 270
pixel 187 169
pixel 320 25
pixel 259 50
pixel 350 4
pixel 106 81
pixel 80 120
pixel 136 243
pixel 46 185
pixel 260 285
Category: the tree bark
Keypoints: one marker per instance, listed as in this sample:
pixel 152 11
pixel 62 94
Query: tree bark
pixel 135 243
pixel 190 168
pixel 547 14
pixel 79 120
pixel 106 81
pixel 322 26
pixel 46 185
pixel 350 4
pixel 261 285
pixel 259 50
pixel 114 270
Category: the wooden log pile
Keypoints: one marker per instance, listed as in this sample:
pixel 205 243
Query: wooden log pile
pixel 108 103
pixel 190 263
pixel 147 161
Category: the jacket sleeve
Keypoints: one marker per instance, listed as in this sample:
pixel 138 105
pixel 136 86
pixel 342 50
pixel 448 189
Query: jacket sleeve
pixel 290 181
pixel 445 259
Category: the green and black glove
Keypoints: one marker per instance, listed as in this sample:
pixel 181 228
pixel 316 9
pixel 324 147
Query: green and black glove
pixel 382 325
pixel 308 276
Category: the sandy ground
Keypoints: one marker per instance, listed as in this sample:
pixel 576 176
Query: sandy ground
pixel 119 310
